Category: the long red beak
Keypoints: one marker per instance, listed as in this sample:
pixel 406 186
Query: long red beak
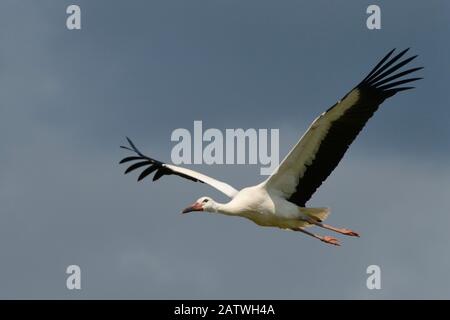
pixel 195 207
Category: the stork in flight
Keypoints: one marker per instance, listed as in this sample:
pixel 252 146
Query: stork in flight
pixel 280 201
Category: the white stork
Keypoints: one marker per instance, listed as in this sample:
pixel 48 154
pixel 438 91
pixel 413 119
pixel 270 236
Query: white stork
pixel 280 201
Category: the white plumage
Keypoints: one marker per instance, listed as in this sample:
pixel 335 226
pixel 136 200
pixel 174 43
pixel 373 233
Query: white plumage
pixel 280 201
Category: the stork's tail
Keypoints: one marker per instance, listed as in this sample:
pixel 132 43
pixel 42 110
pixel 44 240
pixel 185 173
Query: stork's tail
pixel 318 214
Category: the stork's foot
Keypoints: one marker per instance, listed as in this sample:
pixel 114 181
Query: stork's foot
pixel 330 240
pixel 346 232
pixel 349 232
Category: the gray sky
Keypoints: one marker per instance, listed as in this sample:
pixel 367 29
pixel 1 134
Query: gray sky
pixel 145 68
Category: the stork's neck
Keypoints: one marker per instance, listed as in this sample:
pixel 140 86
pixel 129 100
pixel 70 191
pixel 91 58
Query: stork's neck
pixel 225 208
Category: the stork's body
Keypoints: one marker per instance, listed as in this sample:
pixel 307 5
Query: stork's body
pixel 280 201
pixel 268 208
pixel 261 206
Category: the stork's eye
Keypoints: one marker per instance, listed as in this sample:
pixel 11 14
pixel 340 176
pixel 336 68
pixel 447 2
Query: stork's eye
pixel 205 200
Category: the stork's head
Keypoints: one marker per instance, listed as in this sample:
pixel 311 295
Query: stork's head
pixel 202 204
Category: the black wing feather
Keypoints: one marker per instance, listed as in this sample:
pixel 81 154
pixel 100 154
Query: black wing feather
pixel 138 165
pixel 373 90
pixel 153 165
pixel 375 69
pixel 147 171
pixel 127 159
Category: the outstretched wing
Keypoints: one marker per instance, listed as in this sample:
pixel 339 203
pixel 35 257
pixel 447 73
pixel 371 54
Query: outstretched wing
pixel 151 165
pixel 321 148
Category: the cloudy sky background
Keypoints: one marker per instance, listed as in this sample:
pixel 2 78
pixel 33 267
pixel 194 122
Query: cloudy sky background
pixel 145 68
